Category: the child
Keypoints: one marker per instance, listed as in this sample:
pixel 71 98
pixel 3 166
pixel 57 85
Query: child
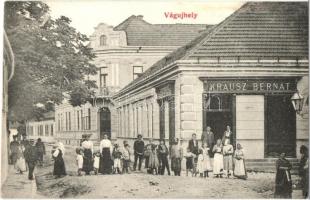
pixel 79 160
pixel 206 160
pixel 189 161
pixel 96 162
pixel 153 161
pixel 117 154
pixel 228 151
pixel 200 165
pixel 126 157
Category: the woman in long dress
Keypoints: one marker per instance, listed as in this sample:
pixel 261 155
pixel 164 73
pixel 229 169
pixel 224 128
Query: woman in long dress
pixel 88 156
pixel 153 161
pixel 227 135
pixel 59 164
pixel 176 155
pixel 239 170
pixel 218 159
pixel 283 187
pixel 106 162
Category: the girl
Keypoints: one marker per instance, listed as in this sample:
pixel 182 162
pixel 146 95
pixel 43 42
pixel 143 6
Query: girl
pixel 200 165
pixel 96 162
pixel 117 154
pixel 239 171
pixel 126 157
pixel 189 161
pixel 206 160
pixel 153 161
pixel 79 160
pixel 218 159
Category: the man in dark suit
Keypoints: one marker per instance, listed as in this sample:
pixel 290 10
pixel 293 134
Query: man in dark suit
pixel 207 137
pixel 138 151
pixel 193 144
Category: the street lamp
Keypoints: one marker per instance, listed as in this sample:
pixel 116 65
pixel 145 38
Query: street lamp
pixel 297 101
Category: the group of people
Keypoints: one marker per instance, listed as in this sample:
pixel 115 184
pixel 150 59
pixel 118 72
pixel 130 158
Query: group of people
pixel 25 155
pixel 227 161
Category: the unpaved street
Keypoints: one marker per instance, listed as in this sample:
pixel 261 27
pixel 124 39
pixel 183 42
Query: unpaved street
pixel 142 185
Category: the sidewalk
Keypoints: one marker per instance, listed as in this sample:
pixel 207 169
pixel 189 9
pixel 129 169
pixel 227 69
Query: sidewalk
pixel 18 186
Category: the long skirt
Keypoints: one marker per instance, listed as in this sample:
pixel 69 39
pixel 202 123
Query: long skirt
pixel 218 164
pixel 207 163
pixel 106 162
pixel 153 161
pixel 228 163
pixel 87 161
pixel 59 167
pixel 240 171
pixel 176 164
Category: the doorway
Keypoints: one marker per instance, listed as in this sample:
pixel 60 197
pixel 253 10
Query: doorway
pixel 280 126
pixel 218 113
pixel 105 122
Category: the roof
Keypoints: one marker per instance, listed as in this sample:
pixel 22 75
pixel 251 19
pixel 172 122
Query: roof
pixel 141 33
pixel 257 30
pixel 261 29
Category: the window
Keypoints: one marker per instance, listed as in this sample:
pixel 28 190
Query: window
pixel 103 40
pixel 89 123
pixel 137 71
pixel 69 120
pixel 103 76
pixel 86 121
pixel 46 130
pixel 82 121
pixel 58 122
pixel 40 130
pixel 78 120
pixel 52 130
pixel 30 130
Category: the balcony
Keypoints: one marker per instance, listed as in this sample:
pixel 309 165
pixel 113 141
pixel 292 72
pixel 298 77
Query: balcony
pixel 106 91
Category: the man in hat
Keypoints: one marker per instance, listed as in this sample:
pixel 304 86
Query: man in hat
pixel 138 152
pixel 31 157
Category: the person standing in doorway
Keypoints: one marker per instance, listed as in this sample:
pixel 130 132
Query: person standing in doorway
pixel 207 138
pixel 41 151
pixel 138 152
pixel 193 146
pixel 283 189
pixel 227 136
pixel 163 153
pixel 31 157
pixel 88 149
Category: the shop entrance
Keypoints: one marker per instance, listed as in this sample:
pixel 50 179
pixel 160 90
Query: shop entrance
pixel 218 113
pixel 280 131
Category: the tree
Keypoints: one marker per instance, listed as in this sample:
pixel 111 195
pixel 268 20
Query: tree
pixel 53 60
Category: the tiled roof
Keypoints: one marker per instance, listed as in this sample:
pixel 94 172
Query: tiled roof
pixel 142 33
pixel 268 30
pixel 258 30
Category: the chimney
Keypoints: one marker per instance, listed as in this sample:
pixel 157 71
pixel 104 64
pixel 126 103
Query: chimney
pixel 140 16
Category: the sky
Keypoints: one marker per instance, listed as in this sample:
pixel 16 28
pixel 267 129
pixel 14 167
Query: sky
pixel 87 14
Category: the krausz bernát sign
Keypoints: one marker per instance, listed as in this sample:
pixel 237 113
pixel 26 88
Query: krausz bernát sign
pixel 250 85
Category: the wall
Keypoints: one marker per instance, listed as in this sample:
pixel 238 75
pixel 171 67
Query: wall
pixel 47 135
pixel 250 124
pixel 72 136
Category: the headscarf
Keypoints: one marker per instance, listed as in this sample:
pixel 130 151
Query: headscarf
pixel 61 147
